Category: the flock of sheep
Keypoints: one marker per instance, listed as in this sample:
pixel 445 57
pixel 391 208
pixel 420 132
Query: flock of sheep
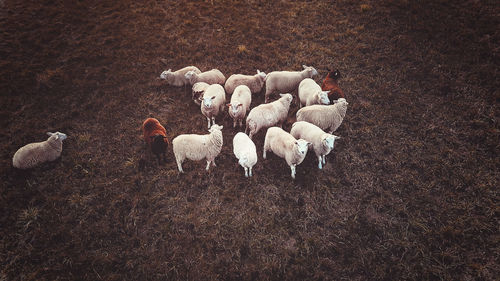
pixel 308 132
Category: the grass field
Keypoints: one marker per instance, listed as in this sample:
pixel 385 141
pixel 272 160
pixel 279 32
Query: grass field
pixel 410 191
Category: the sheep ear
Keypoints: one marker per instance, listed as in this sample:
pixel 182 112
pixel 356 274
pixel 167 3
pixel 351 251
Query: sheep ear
pixel 326 92
pixel 309 144
pixel 50 134
pixel 240 104
pixel 304 66
pixel 169 70
pixel 258 71
pixel 228 105
pixel 336 137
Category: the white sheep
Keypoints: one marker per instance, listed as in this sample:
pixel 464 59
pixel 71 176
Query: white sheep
pixel 240 104
pixel 213 76
pixel 198 147
pixel 245 151
pixel 285 146
pixel 198 91
pixel 286 81
pixel 267 115
pixel 213 102
pixel 310 93
pixel 253 82
pixel 322 142
pixel 178 78
pixel 36 153
pixel 327 117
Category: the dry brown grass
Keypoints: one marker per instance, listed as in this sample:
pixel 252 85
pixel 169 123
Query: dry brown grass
pixel 410 192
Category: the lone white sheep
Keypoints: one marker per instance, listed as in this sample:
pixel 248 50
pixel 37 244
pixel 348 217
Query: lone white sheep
pixel 253 82
pixel 198 91
pixel 285 146
pixel 310 93
pixel 286 81
pixel 267 115
pixel 198 147
pixel 213 76
pixel 245 151
pixel 322 142
pixel 213 102
pixel 178 78
pixel 327 117
pixel 240 104
pixel 36 153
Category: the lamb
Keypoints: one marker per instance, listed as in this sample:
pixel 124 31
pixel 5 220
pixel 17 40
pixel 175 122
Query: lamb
pixel 310 93
pixel 324 116
pixel 245 151
pixel 267 115
pixel 198 91
pixel 213 102
pixel 286 81
pixel 240 104
pixel 155 137
pixel 36 153
pixel 330 84
pixel 322 142
pixel 254 82
pixel 285 146
pixel 213 76
pixel 198 147
pixel 178 78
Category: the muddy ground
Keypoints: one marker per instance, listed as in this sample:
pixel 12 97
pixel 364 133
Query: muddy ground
pixel 410 192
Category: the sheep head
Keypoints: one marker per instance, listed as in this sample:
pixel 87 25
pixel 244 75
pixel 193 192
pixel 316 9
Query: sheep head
pixel 234 107
pixel 328 140
pixel 57 135
pixel 286 97
pixel 323 97
pixel 311 71
pixel 262 75
pixel 215 127
pixel 341 100
pixel 165 74
pixel 207 101
pixel 189 75
pixel 243 160
pixel 302 146
pixel 158 144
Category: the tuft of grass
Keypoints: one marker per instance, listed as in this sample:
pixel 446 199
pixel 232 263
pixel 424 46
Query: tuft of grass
pixel 28 217
pixel 365 7
pixel 242 49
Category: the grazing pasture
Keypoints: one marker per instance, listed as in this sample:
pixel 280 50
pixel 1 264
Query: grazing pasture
pixel 410 191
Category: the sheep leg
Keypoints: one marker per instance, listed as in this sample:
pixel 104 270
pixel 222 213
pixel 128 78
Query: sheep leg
pixel 179 166
pixel 213 120
pixel 208 165
pixel 292 167
pixel 234 123
pixel 208 119
pixel 324 159
pixel 246 171
pixel 158 156
pixel 241 122
pixel 320 162
pixel 250 171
